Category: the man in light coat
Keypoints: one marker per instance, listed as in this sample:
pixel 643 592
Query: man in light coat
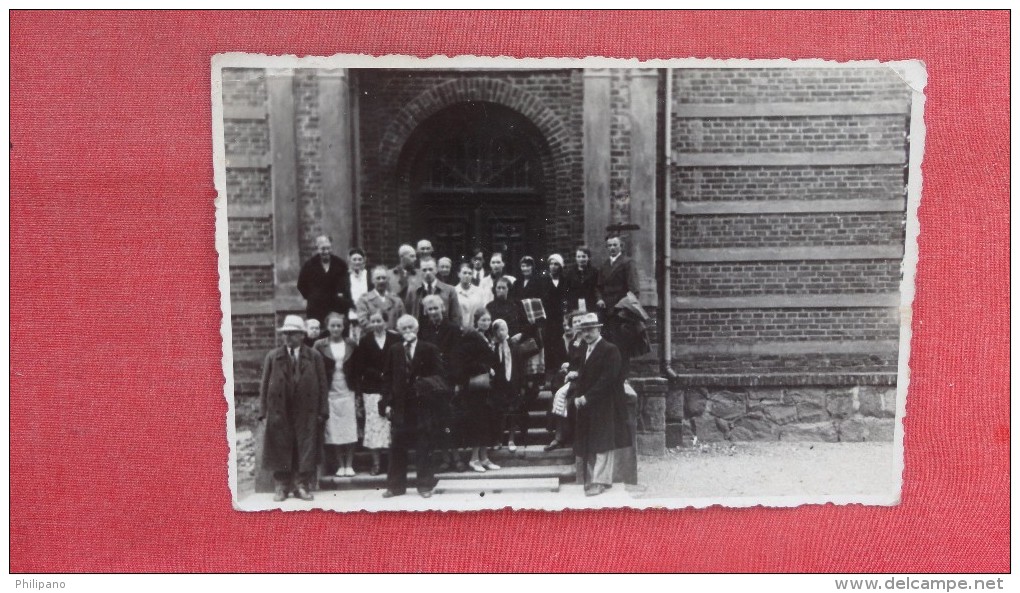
pixel 379 299
pixel 404 276
pixel 430 285
pixel 293 398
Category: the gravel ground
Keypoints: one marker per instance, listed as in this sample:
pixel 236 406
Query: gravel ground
pixel 245 463
pixel 726 470
pixel 723 470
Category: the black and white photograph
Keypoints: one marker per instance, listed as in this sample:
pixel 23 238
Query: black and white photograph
pixel 464 283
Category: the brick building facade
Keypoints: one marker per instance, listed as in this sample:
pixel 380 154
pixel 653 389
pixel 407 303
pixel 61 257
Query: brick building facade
pixel 771 206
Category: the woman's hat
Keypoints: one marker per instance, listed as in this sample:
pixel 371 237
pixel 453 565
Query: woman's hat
pixel 586 321
pixel 556 258
pixel 292 323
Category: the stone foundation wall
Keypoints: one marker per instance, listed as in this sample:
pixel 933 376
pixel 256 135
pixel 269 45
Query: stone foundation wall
pixel 651 415
pixel 780 413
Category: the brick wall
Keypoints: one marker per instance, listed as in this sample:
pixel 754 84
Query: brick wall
pixel 785 183
pixel 309 159
pixel 756 85
pixel 721 279
pixel 785 230
pixel 249 232
pixel 800 158
pixel 711 368
pixel 794 134
pixel 250 235
pixel 786 324
pixel 251 283
pixel 246 137
pixel 619 146
pixel 253 332
pixel 248 186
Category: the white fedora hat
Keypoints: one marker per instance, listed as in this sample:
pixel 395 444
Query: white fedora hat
pixel 292 323
pixel 587 320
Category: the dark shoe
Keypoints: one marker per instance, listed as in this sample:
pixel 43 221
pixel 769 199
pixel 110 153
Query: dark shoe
pixel 444 466
pixel 304 494
pixel 374 471
pixel 425 493
pixel 552 446
pixel 391 494
pixel 460 466
pixel 594 489
pixel 279 494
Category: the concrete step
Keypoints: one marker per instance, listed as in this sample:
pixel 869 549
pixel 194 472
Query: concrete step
pixel 563 473
pixel 531 455
pixel 537 434
pixel 494 486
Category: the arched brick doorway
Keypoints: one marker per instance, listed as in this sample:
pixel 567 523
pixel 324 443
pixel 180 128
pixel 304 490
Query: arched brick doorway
pixel 477 174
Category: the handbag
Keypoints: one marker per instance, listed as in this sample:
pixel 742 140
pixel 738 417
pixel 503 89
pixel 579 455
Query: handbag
pixel 479 382
pixel 529 348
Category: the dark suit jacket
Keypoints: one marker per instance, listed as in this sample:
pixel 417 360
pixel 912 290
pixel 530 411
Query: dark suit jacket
pixel 445 337
pixel 602 422
pixel 532 288
pixel 472 356
pixel 412 304
pixel 324 291
pixel 398 388
pixel 366 374
pixel 614 280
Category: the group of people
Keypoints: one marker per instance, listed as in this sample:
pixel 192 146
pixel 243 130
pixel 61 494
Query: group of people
pixel 437 358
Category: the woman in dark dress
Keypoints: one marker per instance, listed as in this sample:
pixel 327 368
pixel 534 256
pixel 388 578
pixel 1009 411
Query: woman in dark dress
pixel 582 282
pixel 476 359
pixel 367 378
pixel 508 376
pixel 555 304
pixel 502 307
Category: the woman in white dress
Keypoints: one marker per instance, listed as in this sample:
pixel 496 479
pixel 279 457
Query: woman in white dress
pixel 341 432
pixel 469 296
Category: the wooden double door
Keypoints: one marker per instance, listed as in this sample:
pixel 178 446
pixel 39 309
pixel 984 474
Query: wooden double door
pixel 477 181
pixel 457 223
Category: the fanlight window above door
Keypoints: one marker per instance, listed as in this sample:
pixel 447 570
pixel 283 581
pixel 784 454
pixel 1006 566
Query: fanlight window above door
pixel 477 162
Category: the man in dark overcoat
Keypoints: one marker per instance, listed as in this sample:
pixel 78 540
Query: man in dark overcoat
pixel 446 336
pixel 601 408
pixel 293 398
pixel 325 283
pixel 413 395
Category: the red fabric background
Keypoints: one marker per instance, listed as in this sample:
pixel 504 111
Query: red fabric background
pixel 117 411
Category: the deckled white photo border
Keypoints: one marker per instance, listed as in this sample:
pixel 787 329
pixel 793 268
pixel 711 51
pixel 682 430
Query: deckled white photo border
pixel 914 74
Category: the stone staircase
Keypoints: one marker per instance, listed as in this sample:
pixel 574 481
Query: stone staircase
pixel 528 469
